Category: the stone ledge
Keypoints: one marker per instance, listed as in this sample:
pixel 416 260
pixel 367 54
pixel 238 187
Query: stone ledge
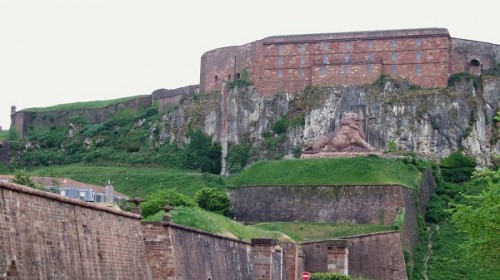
pixel 341 154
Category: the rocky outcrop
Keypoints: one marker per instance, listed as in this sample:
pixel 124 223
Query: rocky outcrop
pixel 433 122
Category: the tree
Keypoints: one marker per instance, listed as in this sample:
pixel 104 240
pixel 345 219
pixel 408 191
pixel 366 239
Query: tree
pixel 457 168
pixel 213 200
pixel 478 216
pixel 156 201
pixel 202 154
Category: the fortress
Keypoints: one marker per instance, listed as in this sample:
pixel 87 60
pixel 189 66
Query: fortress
pixel 426 57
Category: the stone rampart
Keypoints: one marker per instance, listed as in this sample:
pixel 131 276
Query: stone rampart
pixel 47 236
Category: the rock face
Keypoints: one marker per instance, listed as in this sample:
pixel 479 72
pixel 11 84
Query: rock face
pixel 433 123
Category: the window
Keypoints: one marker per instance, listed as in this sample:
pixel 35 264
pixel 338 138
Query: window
pixel 346 69
pixel 280 60
pixel 347 59
pixel 302 73
pixel 229 77
pixel 394 43
pixel 216 78
pixel 369 57
pixel 238 75
pixel 394 69
pixel 347 45
pixel 281 49
pixel 303 60
pixel 303 47
pixel 394 56
pixel 370 44
pixel 418 42
pixel 369 68
pixel 417 55
pixel 280 74
pixel 418 69
pixel 325 59
pixel 323 70
pixel 325 46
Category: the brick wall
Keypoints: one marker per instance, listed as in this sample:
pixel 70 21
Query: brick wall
pixel 47 236
pixel 343 204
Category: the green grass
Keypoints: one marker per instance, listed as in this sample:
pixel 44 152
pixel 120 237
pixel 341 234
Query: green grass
pixel 4 135
pixel 81 105
pixel 335 171
pixel 301 232
pixel 198 218
pixel 135 181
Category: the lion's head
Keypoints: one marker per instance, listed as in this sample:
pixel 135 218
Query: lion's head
pixel 350 119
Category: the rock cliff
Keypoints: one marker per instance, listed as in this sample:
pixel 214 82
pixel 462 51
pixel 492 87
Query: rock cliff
pixel 431 122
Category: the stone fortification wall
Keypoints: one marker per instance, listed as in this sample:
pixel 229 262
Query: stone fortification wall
pixel 47 236
pixel 23 120
pixel 179 252
pixel 343 204
pixel 377 256
pixel 172 97
pixel 466 53
pixel 4 152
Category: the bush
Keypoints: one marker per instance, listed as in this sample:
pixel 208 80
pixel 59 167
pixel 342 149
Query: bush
pixel 201 154
pixel 459 77
pixel 280 126
pixel 213 200
pixel 158 200
pixel 329 276
pixel 457 168
pixel 238 156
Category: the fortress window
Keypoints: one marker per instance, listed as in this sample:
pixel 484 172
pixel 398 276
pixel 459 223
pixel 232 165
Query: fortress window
pixel 417 55
pixel 394 56
pixel 280 60
pixel 323 70
pixel 418 68
pixel 281 48
pixel 369 57
pixel 394 44
pixel 280 74
pixel 370 44
pixel 216 78
pixel 229 77
pixel 325 59
pixel 238 75
pixel 325 46
pixel 346 70
pixel 347 45
pixel 394 69
pixel 369 68
pixel 475 63
pixel 302 73
pixel 303 47
pixel 347 59
pixel 303 60
pixel 418 42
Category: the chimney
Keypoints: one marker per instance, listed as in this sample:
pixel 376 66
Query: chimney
pixel 109 192
pixel 12 109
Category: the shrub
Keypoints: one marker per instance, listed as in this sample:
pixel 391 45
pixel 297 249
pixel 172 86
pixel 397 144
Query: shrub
pixel 13 134
pixel 463 76
pixel 201 154
pixel 457 168
pixel 329 276
pixel 213 200
pixel 158 200
pixel 238 156
pixel 280 126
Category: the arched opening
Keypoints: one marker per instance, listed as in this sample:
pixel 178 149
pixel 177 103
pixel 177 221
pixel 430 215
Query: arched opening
pixel 475 67
pixel 475 63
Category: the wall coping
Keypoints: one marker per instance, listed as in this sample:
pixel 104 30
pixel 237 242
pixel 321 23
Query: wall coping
pixel 352 236
pixel 63 199
pixel 320 185
pixel 195 230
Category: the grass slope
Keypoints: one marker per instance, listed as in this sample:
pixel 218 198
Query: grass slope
pixel 135 181
pixel 301 232
pixel 214 223
pixel 81 105
pixel 335 171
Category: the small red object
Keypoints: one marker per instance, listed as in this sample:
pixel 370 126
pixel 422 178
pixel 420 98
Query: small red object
pixel 306 275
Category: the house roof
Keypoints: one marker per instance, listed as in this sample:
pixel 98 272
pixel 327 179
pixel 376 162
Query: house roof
pixel 63 183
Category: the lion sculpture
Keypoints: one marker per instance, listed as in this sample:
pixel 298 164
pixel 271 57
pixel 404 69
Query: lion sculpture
pixel 350 137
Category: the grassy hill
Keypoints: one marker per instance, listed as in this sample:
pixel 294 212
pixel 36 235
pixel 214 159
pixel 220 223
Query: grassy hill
pixel 334 171
pixel 81 105
pixel 135 181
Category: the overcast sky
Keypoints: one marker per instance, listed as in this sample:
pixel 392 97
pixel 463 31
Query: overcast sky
pixel 62 51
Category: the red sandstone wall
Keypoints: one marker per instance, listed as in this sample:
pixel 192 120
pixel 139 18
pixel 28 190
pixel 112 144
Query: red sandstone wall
pixel 46 236
pixel 377 256
pixel 344 204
